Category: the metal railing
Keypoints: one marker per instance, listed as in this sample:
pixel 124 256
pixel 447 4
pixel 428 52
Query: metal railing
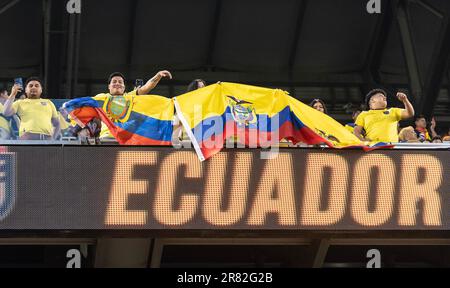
pixel 229 144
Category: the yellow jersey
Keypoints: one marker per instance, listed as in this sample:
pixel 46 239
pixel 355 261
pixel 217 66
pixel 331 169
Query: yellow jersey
pixel 380 125
pixel 35 116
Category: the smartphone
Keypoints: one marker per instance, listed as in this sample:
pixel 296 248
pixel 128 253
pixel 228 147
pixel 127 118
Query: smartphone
pixel 139 83
pixel 18 81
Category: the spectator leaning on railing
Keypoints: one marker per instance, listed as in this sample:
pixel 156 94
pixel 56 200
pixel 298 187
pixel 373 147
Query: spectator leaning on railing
pixel 380 123
pixel 39 118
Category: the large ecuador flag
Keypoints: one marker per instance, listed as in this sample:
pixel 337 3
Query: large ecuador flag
pixel 256 117
pixel 131 119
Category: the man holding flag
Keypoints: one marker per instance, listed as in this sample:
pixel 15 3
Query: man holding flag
pixel 116 87
pixel 129 118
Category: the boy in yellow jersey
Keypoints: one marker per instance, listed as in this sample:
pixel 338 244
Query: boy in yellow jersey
pixel 380 122
pixel 38 117
pixel 114 101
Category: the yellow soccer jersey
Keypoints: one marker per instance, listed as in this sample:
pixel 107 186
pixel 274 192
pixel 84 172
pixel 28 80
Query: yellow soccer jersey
pixel 380 125
pixel 35 116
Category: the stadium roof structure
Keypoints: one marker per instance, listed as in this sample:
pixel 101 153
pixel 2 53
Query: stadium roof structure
pixel 334 50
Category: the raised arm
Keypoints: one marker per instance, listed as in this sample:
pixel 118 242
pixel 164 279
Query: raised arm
pixel 409 109
pixel 153 82
pixel 8 106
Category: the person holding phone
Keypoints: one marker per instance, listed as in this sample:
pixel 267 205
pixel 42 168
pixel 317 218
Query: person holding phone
pixel 138 83
pixel 147 87
pixel 39 118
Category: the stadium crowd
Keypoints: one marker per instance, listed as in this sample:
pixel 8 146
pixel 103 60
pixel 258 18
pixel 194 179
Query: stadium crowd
pixel 26 115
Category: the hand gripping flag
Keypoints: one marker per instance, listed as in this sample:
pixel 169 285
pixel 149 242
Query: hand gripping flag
pixel 132 120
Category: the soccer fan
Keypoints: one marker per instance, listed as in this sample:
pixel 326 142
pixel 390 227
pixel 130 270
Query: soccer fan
pixel 5 128
pixel 3 95
pixel 408 135
pixel 39 119
pixel 422 131
pixel 319 105
pixel 379 122
pixel 115 97
pixel 196 84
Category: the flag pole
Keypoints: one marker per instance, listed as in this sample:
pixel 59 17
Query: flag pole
pixel 186 126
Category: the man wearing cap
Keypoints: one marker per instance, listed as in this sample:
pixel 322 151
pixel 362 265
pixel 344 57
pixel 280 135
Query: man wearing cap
pixel 115 104
pixel 379 122
pixel 39 118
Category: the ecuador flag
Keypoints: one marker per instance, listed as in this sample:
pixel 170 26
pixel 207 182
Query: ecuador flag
pixel 256 117
pixel 131 119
